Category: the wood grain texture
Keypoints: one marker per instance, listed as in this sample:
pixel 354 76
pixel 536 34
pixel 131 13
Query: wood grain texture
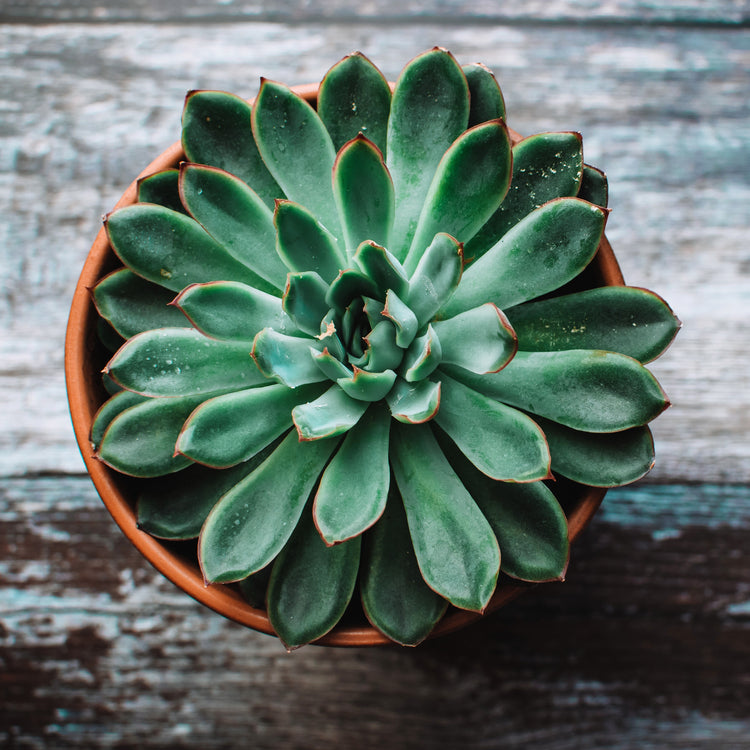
pixel 645 645
pixel 720 12
pixel 70 147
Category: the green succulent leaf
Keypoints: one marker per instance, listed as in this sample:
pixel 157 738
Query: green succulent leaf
pixel 111 408
pixel 400 314
pixel 470 183
pixel 499 440
pixel 597 460
pixel 330 366
pixel 395 598
pixel 422 357
pixel 330 414
pixel 479 340
pixel 429 110
pixel 304 301
pixel 108 336
pixel 286 358
pixel 348 285
pixel 354 97
pixel 229 429
pixel 170 249
pixel 252 522
pixel 592 391
pixel 311 585
pixel 182 362
pixel 254 587
pixel 140 440
pixel 297 150
pixel 548 248
pixel 367 386
pixel 594 188
pixel 454 545
pixel 621 319
pixel 330 337
pixel 176 506
pixel 364 196
pixel 526 518
pixel 231 311
pixel 216 130
pixel 382 267
pixel 545 166
pixel 132 305
pixel 161 188
pixel 486 98
pixel 436 277
pixel 383 351
pixel 414 403
pixel 236 217
pixel 354 487
pixel 304 244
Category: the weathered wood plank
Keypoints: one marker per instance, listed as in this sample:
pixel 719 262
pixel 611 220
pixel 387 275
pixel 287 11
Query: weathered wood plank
pixel 645 645
pixel 382 11
pixel 664 111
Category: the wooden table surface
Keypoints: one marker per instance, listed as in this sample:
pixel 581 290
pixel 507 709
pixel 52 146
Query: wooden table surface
pixel 646 645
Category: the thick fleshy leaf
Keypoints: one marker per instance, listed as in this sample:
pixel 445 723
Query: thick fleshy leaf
pixel 480 340
pixel 401 315
pixel 254 587
pixel 331 367
pixel 487 101
pixel 470 183
pixel 287 358
pixel 499 440
pixel 382 267
pixel 176 506
pixel 395 598
pixel 545 166
pixel 429 110
pixel 436 277
pixel 216 130
pixel 621 319
pixel 363 190
pixel 250 525
pixel 354 487
pixel 330 414
pixel 297 150
pixel 354 97
pixel 527 520
pixel 348 285
pixel 229 429
pixel 414 403
pixel 304 301
pixel 304 244
pixel 161 188
pixel 383 351
pixel 548 248
pixel 140 441
pixel 132 305
pixel 182 362
pixel 593 391
pixel 236 217
pixel 311 585
pixel 609 460
pixel 109 410
pixel 330 336
pixel 170 249
pixel 367 386
pixel 231 311
pixel 454 545
pixel 594 186
pixel 108 336
pixel 422 357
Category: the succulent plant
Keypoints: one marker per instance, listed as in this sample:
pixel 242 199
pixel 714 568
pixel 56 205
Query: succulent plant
pixel 352 355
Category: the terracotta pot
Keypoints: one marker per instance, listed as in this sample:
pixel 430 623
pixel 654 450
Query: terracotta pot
pixel 84 359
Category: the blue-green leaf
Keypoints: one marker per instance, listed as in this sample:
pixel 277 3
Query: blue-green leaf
pixel 287 358
pixel 330 414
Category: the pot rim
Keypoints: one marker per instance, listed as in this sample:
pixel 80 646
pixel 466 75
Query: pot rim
pixel 83 389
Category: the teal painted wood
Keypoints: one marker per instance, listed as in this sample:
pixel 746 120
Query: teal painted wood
pixel 721 12
pixel 644 645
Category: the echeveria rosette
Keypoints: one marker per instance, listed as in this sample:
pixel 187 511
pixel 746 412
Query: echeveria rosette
pixel 365 374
